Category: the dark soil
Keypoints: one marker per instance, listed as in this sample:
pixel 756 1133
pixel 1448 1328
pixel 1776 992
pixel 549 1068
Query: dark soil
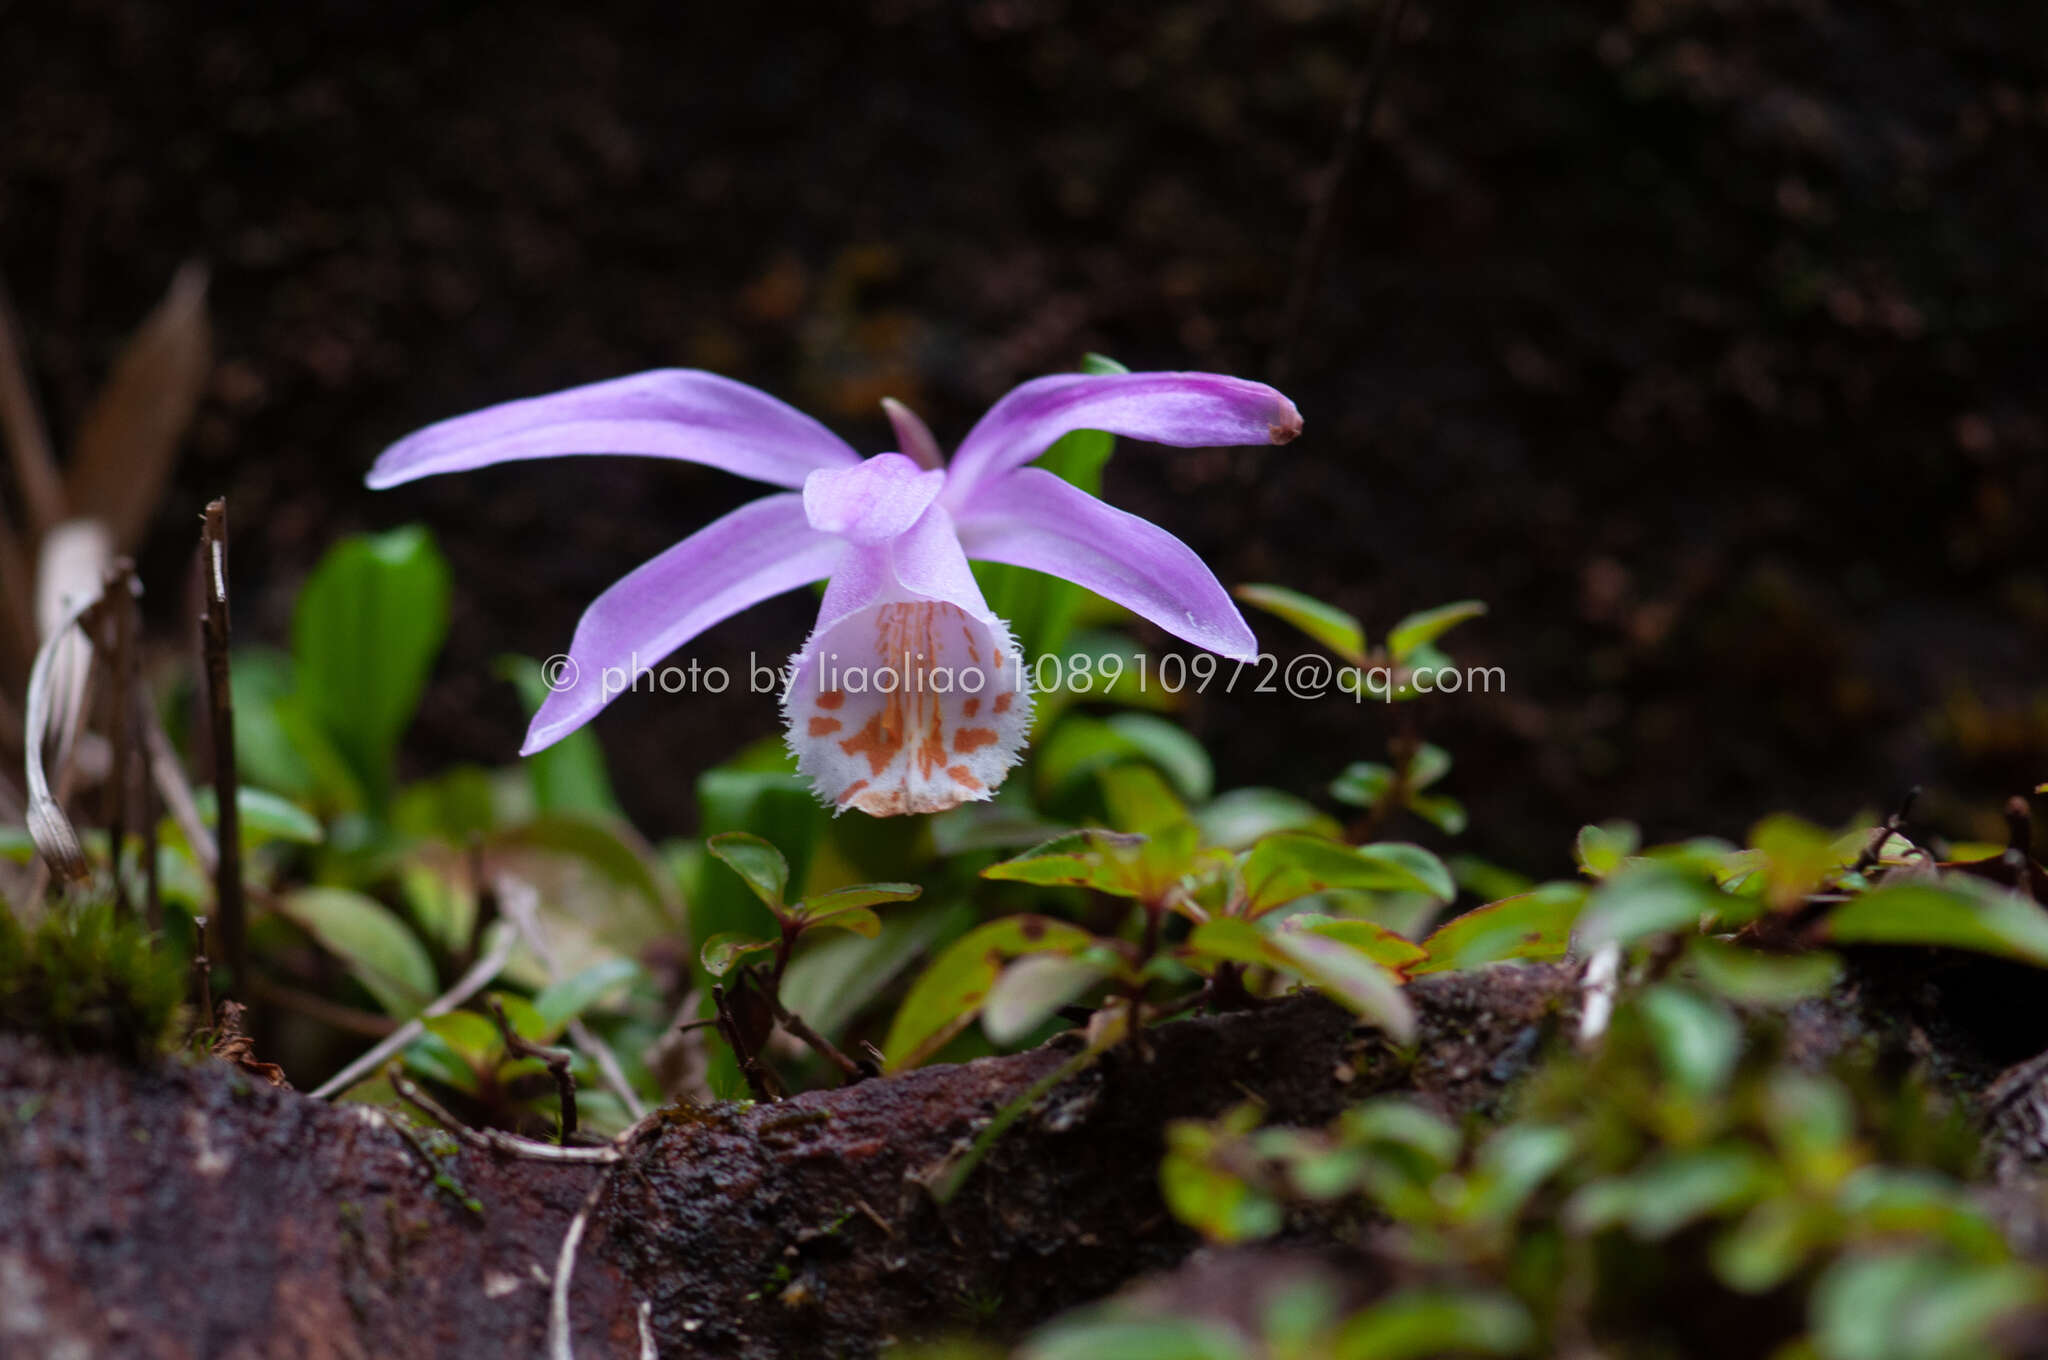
pixel 1699 339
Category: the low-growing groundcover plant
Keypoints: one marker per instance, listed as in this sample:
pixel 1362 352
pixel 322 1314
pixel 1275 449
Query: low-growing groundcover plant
pixel 517 952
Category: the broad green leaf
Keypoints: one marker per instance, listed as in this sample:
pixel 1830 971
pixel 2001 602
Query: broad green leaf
pixel 378 949
pixel 1601 849
pixel 757 792
pixel 265 816
pixel 1033 987
pixel 1771 1243
pixel 1960 913
pixel 723 953
pixel 1363 784
pixel 1430 764
pixel 1697 1040
pixel 566 1000
pixel 1369 938
pixel 1441 811
pixel 950 993
pixel 1284 867
pixel 1537 924
pixel 570 775
pixel 858 919
pixel 453 805
pixel 365 632
pixel 1416 631
pixel 1181 758
pixel 1346 973
pixel 1111 1338
pixel 1402 1123
pixel 1138 799
pixel 1672 1191
pixel 1351 977
pixel 1759 978
pixel 613 849
pixel 1235 819
pixel 1102 860
pixel 1340 632
pixel 278 745
pixel 1419 1323
pixel 1650 899
pixel 1513 1162
pixel 1798 858
pixel 1210 1199
pixel 759 864
pixel 1908 1304
pixel 819 905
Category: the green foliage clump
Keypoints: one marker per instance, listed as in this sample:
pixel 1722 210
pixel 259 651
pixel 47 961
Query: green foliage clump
pixel 88 980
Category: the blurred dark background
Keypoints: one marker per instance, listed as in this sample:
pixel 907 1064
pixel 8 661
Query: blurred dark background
pixel 1702 340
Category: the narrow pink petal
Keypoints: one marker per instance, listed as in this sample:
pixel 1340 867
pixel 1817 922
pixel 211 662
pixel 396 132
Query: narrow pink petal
pixel 668 413
pixel 871 501
pixel 1030 518
pixel 759 550
pixel 913 436
pixel 1188 410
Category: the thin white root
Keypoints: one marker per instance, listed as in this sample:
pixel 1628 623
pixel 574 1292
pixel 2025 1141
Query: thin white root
pixel 1597 986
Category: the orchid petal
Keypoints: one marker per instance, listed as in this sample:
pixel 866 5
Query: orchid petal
pixel 913 436
pixel 871 501
pixel 759 550
pixel 668 413
pixel 1030 518
pixel 910 696
pixel 1188 410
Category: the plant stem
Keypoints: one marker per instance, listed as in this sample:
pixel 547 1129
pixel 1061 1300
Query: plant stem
pixel 213 546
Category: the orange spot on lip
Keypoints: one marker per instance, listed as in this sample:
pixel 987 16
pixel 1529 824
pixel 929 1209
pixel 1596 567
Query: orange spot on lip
pixel 830 698
pixel 851 789
pixel 1003 701
pixel 970 708
pixel 931 752
pixel 971 739
pixel 964 777
pixel 880 740
pixel 824 727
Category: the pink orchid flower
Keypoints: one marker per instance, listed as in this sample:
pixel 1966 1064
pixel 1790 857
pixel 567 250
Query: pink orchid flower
pixel 910 695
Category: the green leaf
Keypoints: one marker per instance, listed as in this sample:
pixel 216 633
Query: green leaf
pixel 757 792
pixel 265 816
pixel 566 1000
pixel 1349 975
pixel 1651 899
pixel 1960 913
pixel 1392 952
pixel 1181 758
pixel 1916 1304
pixel 1289 865
pixel 1138 799
pixel 1363 784
pixel 379 950
pixel 1601 849
pixel 722 953
pixel 1342 633
pixel 1758 978
pixel 858 919
pixel 1102 860
pixel 1098 1338
pixel 1674 1190
pixel 1418 1323
pixel 570 775
pixel 860 895
pixel 365 632
pixel 1441 811
pixel 613 849
pixel 950 993
pixel 1033 987
pixel 1235 819
pixel 759 864
pixel 1416 631
pixel 1697 1040
pixel 1206 1196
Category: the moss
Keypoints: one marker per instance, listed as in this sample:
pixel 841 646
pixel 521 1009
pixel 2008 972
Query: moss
pixel 87 980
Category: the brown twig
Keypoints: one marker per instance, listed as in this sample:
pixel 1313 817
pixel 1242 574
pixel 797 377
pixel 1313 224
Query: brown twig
pixel 472 982
pixel 119 618
pixel 760 1080
pixel 1315 238
pixel 214 636
pixel 202 969
pixel 556 1060
pixel 824 1047
pixel 1891 827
